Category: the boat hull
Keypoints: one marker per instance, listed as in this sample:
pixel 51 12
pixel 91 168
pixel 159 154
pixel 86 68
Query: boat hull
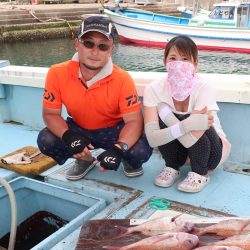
pixel 148 33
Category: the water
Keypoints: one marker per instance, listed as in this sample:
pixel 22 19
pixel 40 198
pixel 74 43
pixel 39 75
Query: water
pixel 34 230
pixel 133 58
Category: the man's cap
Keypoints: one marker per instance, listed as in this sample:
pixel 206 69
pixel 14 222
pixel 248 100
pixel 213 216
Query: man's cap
pixel 99 24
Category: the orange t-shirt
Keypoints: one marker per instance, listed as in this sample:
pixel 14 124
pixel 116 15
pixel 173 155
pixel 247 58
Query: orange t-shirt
pixel 101 105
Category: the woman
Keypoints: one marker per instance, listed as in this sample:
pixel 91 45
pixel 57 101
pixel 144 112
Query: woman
pixel 181 119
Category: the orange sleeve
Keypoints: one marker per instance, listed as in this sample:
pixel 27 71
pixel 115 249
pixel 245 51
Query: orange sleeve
pixel 52 96
pixel 129 100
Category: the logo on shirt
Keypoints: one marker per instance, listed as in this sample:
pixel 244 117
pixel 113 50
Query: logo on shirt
pixel 132 99
pixel 48 96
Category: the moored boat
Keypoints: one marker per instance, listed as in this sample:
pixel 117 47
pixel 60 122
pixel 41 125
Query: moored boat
pixel 151 29
pixel 226 14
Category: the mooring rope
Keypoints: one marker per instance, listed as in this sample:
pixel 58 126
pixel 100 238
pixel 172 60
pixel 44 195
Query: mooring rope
pixel 31 12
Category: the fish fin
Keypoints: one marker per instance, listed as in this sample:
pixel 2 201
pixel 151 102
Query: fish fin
pixel 176 216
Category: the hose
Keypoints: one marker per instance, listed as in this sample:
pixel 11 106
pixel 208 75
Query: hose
pixel 11 194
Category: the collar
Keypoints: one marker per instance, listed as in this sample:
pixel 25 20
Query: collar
pixel 104 72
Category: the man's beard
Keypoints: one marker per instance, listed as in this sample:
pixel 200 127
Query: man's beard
pixel 92 68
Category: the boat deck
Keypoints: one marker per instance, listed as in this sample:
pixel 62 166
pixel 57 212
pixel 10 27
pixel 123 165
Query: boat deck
pixel 227 192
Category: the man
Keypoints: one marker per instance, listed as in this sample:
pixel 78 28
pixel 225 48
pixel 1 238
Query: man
pixel 101 99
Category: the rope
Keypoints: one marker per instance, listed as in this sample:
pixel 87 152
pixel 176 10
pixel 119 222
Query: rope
pixel 52 19
pixel 42 21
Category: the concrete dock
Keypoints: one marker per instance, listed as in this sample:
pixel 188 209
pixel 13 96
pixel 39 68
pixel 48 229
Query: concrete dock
pixel 24 22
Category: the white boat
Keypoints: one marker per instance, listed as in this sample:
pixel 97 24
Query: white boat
pixel 227 32
pixel 110 196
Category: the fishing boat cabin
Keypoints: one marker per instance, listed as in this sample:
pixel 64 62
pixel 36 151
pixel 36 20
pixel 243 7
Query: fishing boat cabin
pixel 226 14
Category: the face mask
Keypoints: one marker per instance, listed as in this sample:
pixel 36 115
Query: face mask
pixel 181 79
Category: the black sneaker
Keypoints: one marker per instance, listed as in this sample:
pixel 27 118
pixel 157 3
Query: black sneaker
pixel 131 172
pixel 79 169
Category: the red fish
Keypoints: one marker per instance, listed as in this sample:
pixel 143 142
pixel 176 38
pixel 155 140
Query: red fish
pixel 242 241
pixel 159 226
pixel 225 228
pixel 246 230
pixel 167 241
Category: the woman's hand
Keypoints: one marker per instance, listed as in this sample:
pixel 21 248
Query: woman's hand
pixel 208 113
pixel 210 121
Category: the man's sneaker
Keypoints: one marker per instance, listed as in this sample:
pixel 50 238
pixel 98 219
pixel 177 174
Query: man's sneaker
pixel 131 172
pixel 193 183
pixel 167 177
pixel 79 169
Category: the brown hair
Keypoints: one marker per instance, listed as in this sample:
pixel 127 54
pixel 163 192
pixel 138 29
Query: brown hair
pixel 184 45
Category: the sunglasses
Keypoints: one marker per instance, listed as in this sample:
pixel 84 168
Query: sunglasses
pixel 90 45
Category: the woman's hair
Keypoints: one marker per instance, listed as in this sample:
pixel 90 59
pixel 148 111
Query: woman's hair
pixel 184 45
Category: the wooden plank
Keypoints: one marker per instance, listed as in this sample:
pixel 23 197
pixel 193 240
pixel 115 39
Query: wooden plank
pixel 188 211
pixel 195 220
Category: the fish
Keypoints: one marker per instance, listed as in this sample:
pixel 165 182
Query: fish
pixel 167 241
pixel 246 230
pixel 225 228
pixel 242 241
pixel 158 226
pixel 219 248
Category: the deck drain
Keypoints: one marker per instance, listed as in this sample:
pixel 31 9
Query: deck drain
pixel 238 168
pixel 247 170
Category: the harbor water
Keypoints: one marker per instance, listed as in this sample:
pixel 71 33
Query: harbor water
pixel 133 58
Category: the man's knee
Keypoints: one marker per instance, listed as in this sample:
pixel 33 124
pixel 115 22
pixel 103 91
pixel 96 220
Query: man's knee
pixel 141 150
pixel 46 140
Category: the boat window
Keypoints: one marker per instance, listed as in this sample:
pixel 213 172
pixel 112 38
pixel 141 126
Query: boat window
pixel 222 12
pixel 243 17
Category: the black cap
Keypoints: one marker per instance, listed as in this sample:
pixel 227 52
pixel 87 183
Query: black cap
pixel 99 24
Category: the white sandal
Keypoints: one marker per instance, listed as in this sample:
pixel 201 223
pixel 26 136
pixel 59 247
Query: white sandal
pixel 167 177
pixel 193 183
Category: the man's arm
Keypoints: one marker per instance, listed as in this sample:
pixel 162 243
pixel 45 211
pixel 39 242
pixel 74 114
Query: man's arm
pixel 132 129
pixel 56 124
pixel 54 121
pixel 130 133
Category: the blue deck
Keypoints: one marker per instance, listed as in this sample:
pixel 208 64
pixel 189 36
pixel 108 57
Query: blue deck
pixel 227 192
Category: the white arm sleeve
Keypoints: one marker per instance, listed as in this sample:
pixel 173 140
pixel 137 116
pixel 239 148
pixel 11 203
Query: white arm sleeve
pixel 157 137
pixel 170 119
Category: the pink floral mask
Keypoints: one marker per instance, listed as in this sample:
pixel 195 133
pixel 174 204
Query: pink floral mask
pixel 181 79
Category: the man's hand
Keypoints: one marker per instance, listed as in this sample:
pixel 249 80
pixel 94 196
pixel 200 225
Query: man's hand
pixel 111 158
pixel 75 142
